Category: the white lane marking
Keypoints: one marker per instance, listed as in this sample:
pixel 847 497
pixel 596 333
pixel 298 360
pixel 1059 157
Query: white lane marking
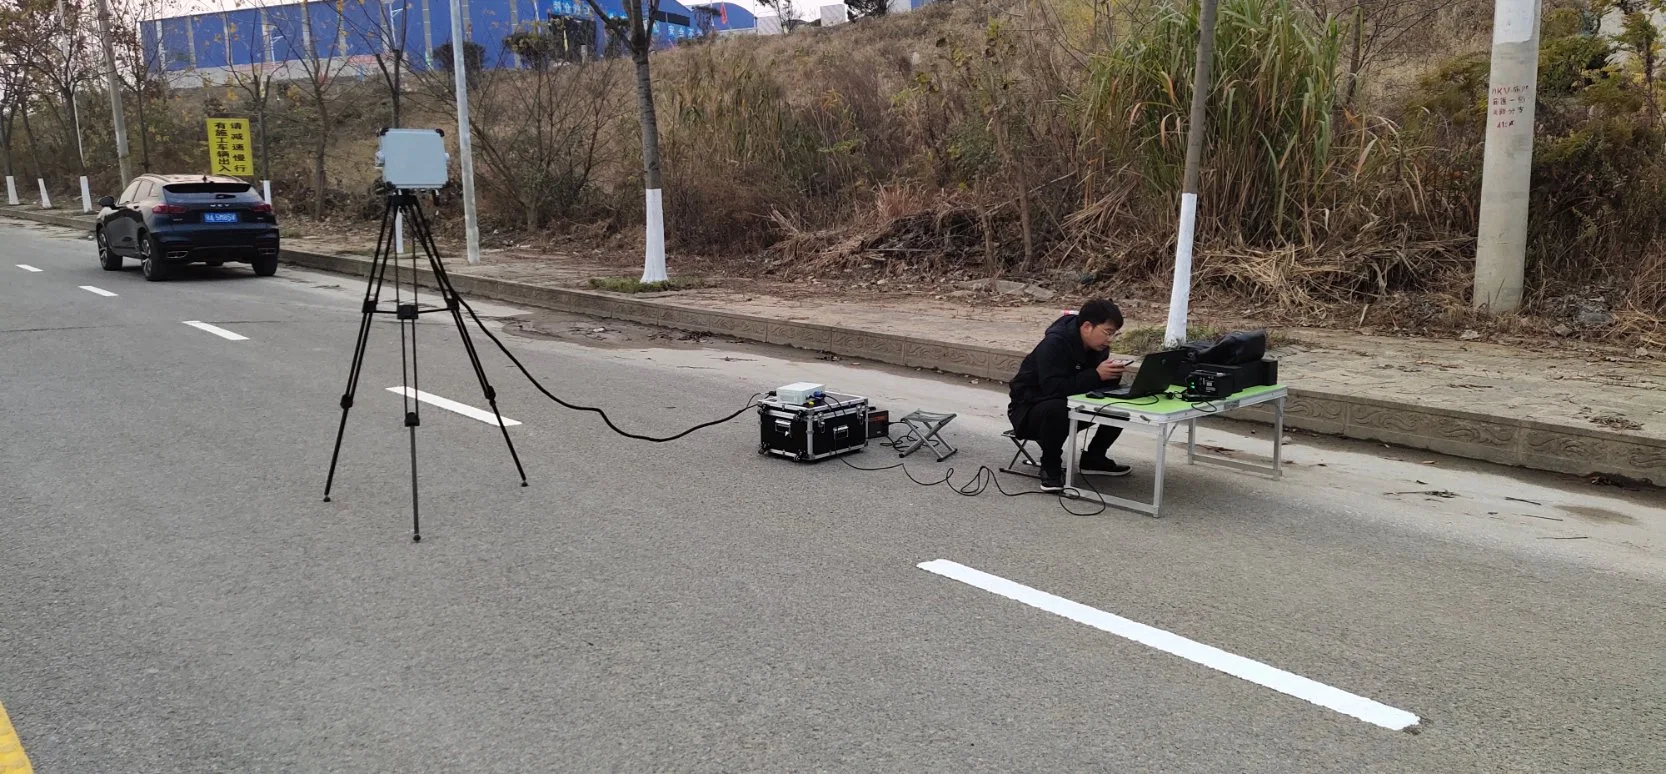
pixel 451 405
pixel 216 330
pixel 1349 704
pixel 100 291
pixel 27 267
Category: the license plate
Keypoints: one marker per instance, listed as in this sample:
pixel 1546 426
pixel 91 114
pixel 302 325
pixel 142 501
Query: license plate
pixel 219 217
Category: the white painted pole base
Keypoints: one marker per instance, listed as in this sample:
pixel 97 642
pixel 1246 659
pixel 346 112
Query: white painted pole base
pixel 11 191
pixel 266 191
pixel 45 200
pixel 1180 295
pixel 86 196
pixel 653 264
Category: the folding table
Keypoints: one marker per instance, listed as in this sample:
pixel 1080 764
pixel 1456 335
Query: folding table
pixel 1159 415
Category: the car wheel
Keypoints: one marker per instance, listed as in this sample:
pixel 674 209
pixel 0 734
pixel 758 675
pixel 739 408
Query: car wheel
pixel 150 260
pixel 265 265
pixel 107 258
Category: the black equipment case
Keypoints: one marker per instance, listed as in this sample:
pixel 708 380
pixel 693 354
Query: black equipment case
pixel 827 428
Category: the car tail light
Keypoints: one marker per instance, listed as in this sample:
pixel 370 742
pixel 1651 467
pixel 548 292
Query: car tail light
pixel 262 208
pixel 169 209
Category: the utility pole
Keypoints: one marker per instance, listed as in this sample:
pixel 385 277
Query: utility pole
pixel 114 82
pixel 465 145
pixel 1507 170
pixel 1180 295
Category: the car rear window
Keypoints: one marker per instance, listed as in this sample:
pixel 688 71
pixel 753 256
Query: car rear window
pixel 206 191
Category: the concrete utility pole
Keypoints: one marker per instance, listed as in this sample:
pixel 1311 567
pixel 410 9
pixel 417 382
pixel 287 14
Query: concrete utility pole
pixel 114 82
pixel 1180 295
pixel 1507 171
pixel 465 145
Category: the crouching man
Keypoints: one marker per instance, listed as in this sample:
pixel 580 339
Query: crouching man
pixel 1073 358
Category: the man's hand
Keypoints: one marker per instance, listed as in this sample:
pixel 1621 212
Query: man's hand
pixel 1111 370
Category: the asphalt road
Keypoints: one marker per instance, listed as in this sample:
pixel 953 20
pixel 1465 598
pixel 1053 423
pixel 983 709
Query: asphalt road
pixel 175 596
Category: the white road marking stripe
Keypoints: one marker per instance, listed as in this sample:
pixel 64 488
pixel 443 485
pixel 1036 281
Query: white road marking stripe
pixel 100 291
pixel 1349 704
pixel 216 330
pixel 27 267
pixel 451 405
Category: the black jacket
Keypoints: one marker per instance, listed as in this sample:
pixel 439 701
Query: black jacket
pixel 1058 367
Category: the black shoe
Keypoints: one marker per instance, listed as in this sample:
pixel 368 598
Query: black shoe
pixel 1052 480
pixel 1099 464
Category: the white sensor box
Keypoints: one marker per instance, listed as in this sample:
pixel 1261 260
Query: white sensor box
pixel 798 393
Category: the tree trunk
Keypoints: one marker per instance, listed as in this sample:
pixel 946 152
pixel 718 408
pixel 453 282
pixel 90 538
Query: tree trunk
pixel 398 64
pixel 144 128
pixel 29 131
pixel 6 138
pixel 72 133
pixel 650 122
pixel 265 146
pixel 320 182
pixel 1355 56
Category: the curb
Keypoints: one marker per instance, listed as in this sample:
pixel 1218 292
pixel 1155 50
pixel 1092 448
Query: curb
pixel 1490 438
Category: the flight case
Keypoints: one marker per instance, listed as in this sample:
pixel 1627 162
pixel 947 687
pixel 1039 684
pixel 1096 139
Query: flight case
pixel 836 425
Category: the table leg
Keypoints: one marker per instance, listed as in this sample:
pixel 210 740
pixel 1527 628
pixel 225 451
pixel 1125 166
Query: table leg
pixel 1162 454
pixel 1191 441
pixel 1278 438
pixel 1070 452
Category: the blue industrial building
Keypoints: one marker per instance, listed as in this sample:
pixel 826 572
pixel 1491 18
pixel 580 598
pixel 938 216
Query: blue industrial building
pixel 359 29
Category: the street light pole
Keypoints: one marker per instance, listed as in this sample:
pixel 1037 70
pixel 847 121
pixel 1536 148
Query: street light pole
pixel 1180 294
pixel 465 146
pixel 116 116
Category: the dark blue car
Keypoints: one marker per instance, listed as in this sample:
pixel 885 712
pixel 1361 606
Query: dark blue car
pixel 167 221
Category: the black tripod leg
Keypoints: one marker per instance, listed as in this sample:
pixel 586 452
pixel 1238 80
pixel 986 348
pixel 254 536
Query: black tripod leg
pixel 372 295
pixel 448 293
pixel 416 518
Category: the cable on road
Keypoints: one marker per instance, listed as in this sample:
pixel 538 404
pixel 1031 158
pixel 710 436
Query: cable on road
pixel 980 482
pixel 750 402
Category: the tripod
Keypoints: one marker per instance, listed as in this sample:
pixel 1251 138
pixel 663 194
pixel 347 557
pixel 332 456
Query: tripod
pixel 402 205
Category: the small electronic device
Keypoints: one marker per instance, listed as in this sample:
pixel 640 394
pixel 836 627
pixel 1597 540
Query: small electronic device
pixel 1213 382
pixel 413 159
pixel 833 425
pixel 1157 373
pixel 800 393
pixel 879 423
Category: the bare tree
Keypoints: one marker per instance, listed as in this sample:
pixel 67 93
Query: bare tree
pixel 256 79
pixel 636 33
pixel 319 89
pixel 10 97
pixel 385 30
pixel 48 40
pixel 139 64
pixel 787 12
pixel 540 133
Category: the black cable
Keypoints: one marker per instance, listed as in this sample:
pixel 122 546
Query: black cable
pixel 980 483
pixel 750 402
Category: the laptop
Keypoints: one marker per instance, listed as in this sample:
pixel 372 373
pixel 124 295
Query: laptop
pixel 1157 374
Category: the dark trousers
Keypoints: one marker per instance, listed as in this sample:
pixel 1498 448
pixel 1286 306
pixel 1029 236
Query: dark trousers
pixel 1048 424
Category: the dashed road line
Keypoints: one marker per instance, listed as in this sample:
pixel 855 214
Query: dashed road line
pixel 451 405
pixel 99 291
pixel 1349 704
pixel 216 330
pixel 27 267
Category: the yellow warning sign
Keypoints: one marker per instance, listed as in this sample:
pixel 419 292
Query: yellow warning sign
pixel 229 149
pixel 12 759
